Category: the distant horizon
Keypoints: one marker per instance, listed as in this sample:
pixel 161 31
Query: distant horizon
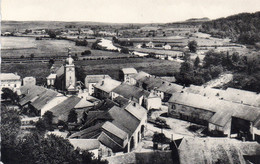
pixel 125 22
pixel 123 11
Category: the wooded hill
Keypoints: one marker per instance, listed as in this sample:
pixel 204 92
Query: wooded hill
pixel 242 28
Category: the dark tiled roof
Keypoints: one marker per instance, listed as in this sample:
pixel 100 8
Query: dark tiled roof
pixel 61 111
pixel 124 120
pixel 44 98
pixel 129 91
pixel 31 92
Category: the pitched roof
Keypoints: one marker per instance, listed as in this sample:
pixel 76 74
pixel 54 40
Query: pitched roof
pixel 9 76
pixel 141 75
pixel 152 82
pixel 121 101
pixel 129 91
pixel 136 110
pixel 169 88
pixel 61 111
pixel 215 150
pixel 31 92
pixel 85 144
pixel 88 133
pixel 95 78
pixel 124 120
pixel 222 108
pixel 129 70
pixel 44 98
pixel 84 104
pixel 52 76
pixel 107 85
pixel 109 142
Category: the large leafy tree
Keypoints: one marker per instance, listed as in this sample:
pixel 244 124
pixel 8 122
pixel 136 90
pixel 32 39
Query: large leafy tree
pixel 193 46
pixel 9 94
pixel 10 127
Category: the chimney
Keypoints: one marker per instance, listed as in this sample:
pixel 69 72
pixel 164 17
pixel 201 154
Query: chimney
pixel 102 83
pixel 28 91
pixel 134 104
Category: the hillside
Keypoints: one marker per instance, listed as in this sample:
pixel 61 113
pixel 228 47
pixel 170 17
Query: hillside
pixel 242 28
pixel 198 19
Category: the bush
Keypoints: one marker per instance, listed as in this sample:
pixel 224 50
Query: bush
pixel 86 53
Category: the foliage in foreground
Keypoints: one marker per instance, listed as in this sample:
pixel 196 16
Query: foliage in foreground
pixel 35 147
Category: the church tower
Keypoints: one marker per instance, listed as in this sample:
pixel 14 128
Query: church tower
pixel 70 76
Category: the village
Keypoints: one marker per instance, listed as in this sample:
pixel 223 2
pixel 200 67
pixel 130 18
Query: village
pixel 130 82
pixel 112 118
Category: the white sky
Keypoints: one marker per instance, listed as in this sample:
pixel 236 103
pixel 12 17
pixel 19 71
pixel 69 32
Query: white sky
pixel 123 11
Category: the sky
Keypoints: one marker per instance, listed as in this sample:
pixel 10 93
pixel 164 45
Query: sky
pixel 123 11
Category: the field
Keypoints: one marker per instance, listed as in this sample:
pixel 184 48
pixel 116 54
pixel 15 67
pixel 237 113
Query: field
pixel 107 66
pixel 18 46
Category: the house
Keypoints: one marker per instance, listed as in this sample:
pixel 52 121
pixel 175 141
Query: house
pixel 28 122
pixel 91 145
pixel 130 92
pixel 230 94
pixel 167 47
pixel 126 75
pixel 30 93
pixel 103 88
pixel 29 81
pixel 42 100
pixel 139 76
pixel 150 44
pixel 138 95
pixel 220 116
pixel 159 87
pixel 139 46
pixel 51 79
pixel 217 150
pixel 91 80
pixel 62 110
pixel 119 128
pixel 11 81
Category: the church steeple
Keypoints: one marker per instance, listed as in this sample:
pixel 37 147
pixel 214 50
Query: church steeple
pixel 70 77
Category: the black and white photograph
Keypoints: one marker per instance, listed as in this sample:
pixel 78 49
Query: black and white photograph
pixel 130 82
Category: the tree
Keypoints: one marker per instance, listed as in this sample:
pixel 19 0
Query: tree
pixel 86 53
pixel 32 56
pixel 196 62
pixel 9 94
pixel 124 50
pixel 51 34
pixel 193 46
pixel 73 116
pixel 10 127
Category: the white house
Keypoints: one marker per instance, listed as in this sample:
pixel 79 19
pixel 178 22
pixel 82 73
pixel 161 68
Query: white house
pixel 11 81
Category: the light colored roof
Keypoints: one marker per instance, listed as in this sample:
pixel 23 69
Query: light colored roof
pixel 52 76
pixel 136 110
pixel 129 91
pixel 85 144
pixel 230 94
pixel 215 150
pixel 242 96
pixel 129 70
pixel 83 104
pixel 95 78
pixel 107 85
pixel 9 76
pixel 223 108
pixel 111 128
